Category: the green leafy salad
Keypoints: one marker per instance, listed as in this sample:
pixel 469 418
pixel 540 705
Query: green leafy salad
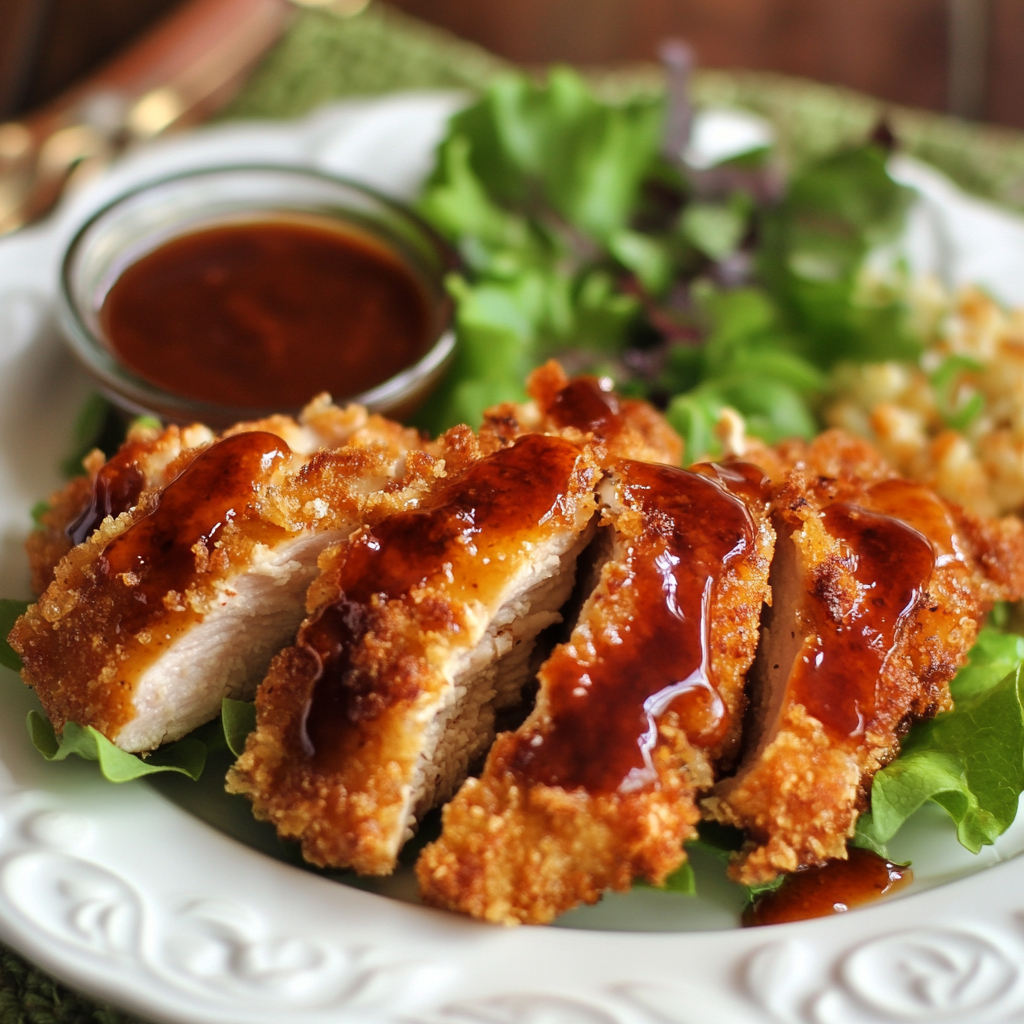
pixel 584 237
pixel 588 234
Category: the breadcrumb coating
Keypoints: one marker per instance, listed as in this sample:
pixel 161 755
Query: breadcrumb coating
pixel 804 779
pixel 635 714
pixel 585 409
pixel 389 694
pixel 210 567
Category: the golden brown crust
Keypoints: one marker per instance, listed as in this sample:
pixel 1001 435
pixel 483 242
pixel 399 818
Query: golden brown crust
pixel 85 645
pixel 148 460
pixel 804 782
pixel 564 810
pixel 147 453
pixel 585 409
pixel 49 542
pixel 515 854
pixel 349 719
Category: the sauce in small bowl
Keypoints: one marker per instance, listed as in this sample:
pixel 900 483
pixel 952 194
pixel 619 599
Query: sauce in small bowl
pixel 229 294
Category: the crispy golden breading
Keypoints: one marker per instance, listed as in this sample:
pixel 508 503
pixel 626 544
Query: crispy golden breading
pixel 419 629
pixel 182 599
pixel 109 488
pixel 879 587
pixel 149 459
pixel 635 712
pixel 584 409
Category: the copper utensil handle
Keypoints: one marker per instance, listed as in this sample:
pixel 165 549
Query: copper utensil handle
pixel 223 37
pixel 178 73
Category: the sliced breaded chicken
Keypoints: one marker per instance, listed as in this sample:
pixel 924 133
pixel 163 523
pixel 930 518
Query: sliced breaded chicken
pixel 635 712
pixel 586 408
pixel 183 599
pixel 148 460
pixel 419 630
pixel 879 586
pixel 110 487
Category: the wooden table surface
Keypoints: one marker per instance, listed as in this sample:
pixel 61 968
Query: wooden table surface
pixel 908 51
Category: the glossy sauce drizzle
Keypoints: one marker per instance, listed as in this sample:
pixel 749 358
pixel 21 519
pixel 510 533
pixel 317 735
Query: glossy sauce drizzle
pixel 583 404
pixel 837 673
pixel 606 705
pixel 117 488
pixel 833 888
pixel 464 545
pixel 923 509
pixel 216 488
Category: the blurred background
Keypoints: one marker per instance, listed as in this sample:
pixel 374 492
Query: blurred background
pixel 964 57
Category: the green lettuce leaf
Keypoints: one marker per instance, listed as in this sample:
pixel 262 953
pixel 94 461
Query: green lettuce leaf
pixel 682 882
pixel 715 229
pixel 10 612
pixel 238 719
pixel 187 756
pixel 814 245
pixel 993 657
pixel 970 760
pixel 98 426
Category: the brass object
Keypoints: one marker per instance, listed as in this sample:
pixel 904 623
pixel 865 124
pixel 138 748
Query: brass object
pixel 176 75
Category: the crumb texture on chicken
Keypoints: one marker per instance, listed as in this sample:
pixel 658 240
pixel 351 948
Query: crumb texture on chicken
pixel 151 457
pixel 878 589
pixel 419 629
pixel 581 408
pixel 634 714
pixel 182 599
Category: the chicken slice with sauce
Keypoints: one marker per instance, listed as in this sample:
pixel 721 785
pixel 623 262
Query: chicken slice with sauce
pixel 586 409
pixel 149 460
pixel 183 599
pixel 635 714
pixel 879 588
pixel 419 631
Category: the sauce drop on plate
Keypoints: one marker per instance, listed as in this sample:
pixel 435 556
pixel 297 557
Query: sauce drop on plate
pixel 268 313
pixel 831 889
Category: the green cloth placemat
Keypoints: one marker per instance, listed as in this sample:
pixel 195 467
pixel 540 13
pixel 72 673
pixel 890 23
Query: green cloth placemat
pixel 324 57
pixel 381 50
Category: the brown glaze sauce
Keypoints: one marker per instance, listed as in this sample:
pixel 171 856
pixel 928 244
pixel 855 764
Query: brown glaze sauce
pixel 837 673
pixel 159 550
pixel 117 488
pixel 606 706
pixel 834 888
pixel 742 479
pixel 923 509
pixel 268 313
pixel 583 404
pixel 464 544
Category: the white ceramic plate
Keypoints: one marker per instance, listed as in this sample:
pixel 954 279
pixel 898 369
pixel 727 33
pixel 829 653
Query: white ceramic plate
pixel 126 894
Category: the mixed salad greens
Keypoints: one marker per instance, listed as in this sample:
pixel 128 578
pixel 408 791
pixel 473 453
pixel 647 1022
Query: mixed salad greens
pixel 588 232
pixel 586 235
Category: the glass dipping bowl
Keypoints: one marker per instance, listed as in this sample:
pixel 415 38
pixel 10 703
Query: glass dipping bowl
pixel 148 217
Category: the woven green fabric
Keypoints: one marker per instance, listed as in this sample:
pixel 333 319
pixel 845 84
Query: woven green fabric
pixel 28 996
pixel 324 57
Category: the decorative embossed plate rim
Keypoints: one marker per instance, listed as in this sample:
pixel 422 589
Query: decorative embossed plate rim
pixel 123 894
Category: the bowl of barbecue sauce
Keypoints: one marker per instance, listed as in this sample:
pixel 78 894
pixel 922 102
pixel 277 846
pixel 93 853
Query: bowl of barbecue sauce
pixel 230 294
